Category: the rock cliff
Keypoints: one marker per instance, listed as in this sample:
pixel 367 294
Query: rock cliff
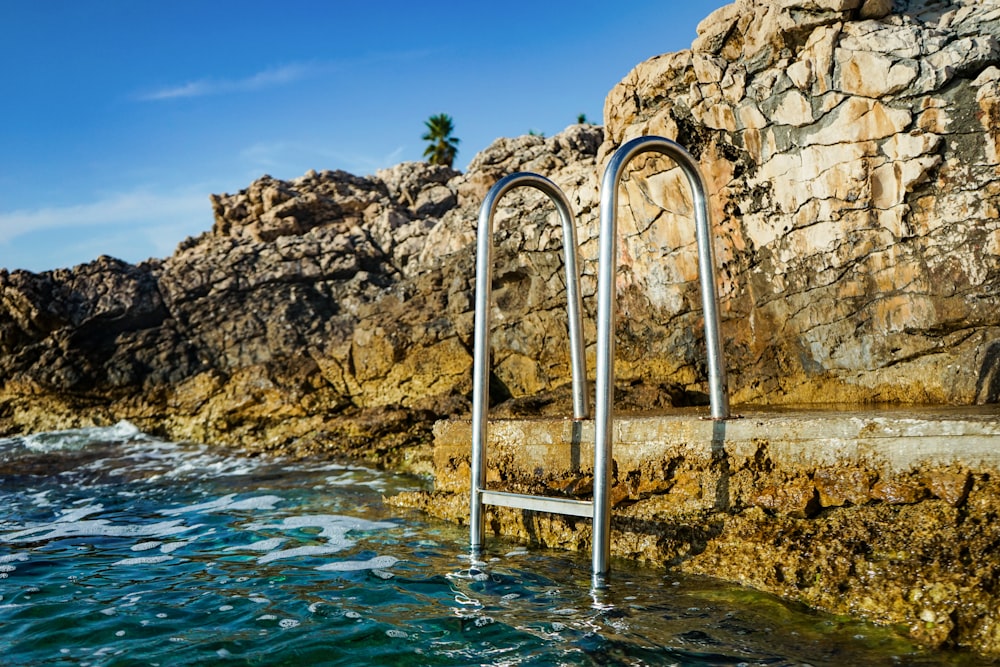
pixel 851 151
pixel 853 156
pixel 332 312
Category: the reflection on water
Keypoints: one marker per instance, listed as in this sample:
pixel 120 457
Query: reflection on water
pixel 117 548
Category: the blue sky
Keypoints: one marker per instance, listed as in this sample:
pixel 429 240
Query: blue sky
pixel 120 117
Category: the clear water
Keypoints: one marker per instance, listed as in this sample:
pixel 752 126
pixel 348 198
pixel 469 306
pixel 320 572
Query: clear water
pixel 120 549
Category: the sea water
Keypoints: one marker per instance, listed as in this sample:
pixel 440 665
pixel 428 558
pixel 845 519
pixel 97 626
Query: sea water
pixel 117 548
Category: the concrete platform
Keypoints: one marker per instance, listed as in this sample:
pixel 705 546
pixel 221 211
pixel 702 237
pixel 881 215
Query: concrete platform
pixel 886 442
pixel 892 515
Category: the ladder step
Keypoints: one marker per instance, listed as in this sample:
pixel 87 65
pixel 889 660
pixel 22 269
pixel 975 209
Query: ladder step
pixel 539 503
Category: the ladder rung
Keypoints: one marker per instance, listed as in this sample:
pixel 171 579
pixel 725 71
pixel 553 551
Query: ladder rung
pixel 539 503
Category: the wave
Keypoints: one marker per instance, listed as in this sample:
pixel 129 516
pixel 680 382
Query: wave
pixel 73 439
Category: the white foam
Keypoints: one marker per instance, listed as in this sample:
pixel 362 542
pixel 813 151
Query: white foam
pixel 95 528
pixel 20 556
pixel 51 441
pixel 329 467
pixel 79 513
pixel 376 563
pixel 146 546
pixel 332 526
pixel 171 547
pixel 310 550
pixel 260 545
pixel 143 560
pixel 201 462
pixel 226 503
pixel 257 503
pixel 41 499
pixel 132 599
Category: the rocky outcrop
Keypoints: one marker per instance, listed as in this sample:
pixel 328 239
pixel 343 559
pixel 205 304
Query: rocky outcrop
pixel 851 149
pixel 331 312
pixel 852 153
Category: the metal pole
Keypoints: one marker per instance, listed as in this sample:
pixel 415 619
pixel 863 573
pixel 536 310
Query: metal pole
pixel 481 332
pixel 606 313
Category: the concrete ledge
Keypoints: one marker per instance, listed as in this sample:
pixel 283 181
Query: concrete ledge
pixel 885 443
pixel 891 515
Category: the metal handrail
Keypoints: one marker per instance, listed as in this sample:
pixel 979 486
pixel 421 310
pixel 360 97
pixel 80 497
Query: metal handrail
pixel 481 351
pixel 607 268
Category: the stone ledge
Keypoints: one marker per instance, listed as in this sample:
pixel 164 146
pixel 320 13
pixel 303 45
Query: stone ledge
pixel 886 515
pixel 886 442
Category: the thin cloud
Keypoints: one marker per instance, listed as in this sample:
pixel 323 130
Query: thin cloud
pixel 276 76
pixel 140 207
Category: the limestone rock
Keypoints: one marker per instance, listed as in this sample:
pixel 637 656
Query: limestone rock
pixel 311 311
pixel 851 156
pixel 841 486
pixel 854 166
pixel 795 498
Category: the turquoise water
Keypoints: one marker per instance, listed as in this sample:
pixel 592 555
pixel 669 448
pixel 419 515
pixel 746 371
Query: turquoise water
pixel 120 549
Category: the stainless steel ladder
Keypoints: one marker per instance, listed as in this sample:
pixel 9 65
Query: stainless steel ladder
pixel 480 495
pixel 599 509
pixel 607 266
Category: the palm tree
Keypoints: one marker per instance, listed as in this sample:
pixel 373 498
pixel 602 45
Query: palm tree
pixel 443 147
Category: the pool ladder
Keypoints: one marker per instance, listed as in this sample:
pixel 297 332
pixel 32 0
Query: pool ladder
pixel 598 509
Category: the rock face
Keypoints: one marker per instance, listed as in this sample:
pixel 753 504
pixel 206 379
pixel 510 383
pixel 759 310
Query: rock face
pixel 851 151
pixel 854 163
pixel 316 314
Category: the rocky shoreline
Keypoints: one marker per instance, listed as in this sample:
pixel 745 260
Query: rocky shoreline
pixel 851 152
pixel 883 514
pixel 357 339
